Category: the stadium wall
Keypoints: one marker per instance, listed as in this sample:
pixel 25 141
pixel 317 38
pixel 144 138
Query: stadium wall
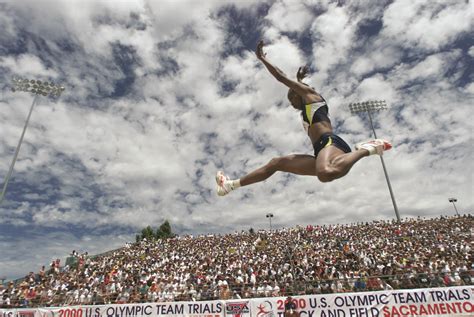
pixel 436 302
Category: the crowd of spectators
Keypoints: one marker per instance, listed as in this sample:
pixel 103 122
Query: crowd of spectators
pixel 381 255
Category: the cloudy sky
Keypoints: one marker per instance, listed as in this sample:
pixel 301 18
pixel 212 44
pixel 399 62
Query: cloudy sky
pixel 162 94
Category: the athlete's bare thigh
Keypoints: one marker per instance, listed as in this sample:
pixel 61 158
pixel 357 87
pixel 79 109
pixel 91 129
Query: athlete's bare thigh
pixel 326 155
pixel 300 164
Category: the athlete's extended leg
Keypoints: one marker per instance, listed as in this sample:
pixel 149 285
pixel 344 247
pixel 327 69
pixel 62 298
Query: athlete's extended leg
pixel 296 163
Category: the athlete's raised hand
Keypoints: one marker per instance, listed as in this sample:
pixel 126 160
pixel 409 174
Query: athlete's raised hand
pixel 302 73
pixel 259 51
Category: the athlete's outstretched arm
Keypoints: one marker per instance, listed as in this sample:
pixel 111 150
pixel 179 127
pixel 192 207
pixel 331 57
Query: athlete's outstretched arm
pixel 298 87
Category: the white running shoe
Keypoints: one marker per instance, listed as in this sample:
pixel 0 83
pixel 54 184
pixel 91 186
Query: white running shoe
pixel 224 185
pixel 377 146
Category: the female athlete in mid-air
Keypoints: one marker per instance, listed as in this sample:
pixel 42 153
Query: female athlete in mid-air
pixel 332 156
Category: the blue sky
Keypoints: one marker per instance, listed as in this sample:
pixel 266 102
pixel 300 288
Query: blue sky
pixel 162 94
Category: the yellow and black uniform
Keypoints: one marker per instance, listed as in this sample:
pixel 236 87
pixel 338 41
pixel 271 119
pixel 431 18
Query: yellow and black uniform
pixel 317 112
pixel 328 139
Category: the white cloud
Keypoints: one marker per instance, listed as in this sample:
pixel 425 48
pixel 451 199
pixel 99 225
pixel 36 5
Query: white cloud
pixel 377 56
pixel 471 51
pixel 290 16
pixel 28 66
pixel 427 25
pixel 334 35
pixel 374 87
pixel 431 68
pixel 7 26
pixel 171 16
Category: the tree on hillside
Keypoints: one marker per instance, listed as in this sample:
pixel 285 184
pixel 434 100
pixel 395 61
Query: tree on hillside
pixel 147 233
pixel 163 232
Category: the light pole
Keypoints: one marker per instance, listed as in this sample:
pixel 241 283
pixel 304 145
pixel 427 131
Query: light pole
pixel 370 106
pixel 453 200
pixel 270 216
pixel 38 88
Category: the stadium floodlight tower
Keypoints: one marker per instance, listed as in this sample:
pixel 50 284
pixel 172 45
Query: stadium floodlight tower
pixel 38 88
pixel 369 107
pixel 270 216
pixel 453 200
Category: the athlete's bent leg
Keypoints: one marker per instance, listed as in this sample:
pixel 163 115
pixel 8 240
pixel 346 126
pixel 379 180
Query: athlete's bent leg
pixel 333 163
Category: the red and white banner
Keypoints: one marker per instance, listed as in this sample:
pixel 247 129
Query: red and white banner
pixel 439 302
pixel 435 302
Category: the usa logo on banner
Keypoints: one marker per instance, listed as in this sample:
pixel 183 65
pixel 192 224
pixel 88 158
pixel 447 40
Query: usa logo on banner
pixel 237 309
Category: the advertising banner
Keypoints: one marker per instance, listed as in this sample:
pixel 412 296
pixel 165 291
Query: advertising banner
pixel 458 301
pixel 436 302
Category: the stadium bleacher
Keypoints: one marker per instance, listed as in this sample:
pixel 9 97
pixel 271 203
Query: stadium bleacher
pixel 381 255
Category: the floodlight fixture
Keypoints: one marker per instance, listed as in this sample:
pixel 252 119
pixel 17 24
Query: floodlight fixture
pixel 373 105
pixel 38 88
